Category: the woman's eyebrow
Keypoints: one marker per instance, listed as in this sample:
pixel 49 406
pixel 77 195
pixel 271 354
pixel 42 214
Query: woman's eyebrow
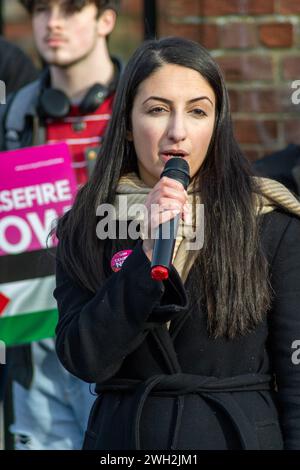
pixel 165 100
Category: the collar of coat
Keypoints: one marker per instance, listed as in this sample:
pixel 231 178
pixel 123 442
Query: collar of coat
pixel 131 195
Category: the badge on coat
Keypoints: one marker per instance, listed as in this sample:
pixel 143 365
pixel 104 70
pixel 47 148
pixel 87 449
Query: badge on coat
pixel 118 259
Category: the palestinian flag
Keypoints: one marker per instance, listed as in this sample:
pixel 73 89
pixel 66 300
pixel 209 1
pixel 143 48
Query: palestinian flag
pixel 28 311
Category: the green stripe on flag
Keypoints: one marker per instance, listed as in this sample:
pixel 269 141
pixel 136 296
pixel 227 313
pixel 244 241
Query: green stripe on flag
pixel 25 328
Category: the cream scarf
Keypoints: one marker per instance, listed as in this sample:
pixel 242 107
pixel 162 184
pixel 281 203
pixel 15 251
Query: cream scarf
pixel 274 195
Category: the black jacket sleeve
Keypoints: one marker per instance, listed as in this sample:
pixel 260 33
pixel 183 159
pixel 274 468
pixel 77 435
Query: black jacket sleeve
pixel 95 332
pixel 284 324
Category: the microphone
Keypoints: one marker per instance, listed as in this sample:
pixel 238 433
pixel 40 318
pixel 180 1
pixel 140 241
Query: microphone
pixel 178 169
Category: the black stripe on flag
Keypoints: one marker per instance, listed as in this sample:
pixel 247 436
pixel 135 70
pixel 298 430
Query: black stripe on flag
pixel 29 265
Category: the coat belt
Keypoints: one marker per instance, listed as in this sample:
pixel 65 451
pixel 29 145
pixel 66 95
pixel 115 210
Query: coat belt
pixel 213 389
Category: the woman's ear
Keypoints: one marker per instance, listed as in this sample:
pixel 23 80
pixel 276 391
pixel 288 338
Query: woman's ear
pixel 129 136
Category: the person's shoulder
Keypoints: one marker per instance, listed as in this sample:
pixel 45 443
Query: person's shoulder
pixel 19 102
pixel 279 165
pixel 16 67
pixel 279 228
pixel 279 219
pixel 9 49
pixel 279 160
pixel 24 93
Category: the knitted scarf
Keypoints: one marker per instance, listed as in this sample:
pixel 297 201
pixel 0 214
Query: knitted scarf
pixel 275 195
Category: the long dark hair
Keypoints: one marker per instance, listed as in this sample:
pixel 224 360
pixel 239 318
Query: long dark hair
pixel 230 268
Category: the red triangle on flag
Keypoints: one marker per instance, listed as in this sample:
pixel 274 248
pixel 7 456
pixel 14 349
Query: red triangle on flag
pixel 3 302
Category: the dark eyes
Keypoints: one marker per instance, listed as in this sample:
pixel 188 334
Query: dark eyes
pixel 198 112
pixel 160 109
pixel 157 110
pixel 40 8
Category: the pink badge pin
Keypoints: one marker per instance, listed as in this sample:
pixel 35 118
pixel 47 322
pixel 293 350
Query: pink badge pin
pixel 118 259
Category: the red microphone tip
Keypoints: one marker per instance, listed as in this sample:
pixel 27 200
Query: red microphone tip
pixel 159 273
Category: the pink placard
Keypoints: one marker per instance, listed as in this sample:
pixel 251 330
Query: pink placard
pixel 37 185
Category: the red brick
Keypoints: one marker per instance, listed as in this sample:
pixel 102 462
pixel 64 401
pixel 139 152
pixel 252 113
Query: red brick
pixel 249 131
pixel 179 8
pixel 289 6
pixel 291 68
pixel 225 7
pixel 276 34
pixel 15 31
pixel 246 67
pixel 292 131
pixel 252 155
pixel 131 7
pixel 238 35
pixel 233 98
pixel 259 101
pixel 258 7
pixel 209 36
pixel 205 34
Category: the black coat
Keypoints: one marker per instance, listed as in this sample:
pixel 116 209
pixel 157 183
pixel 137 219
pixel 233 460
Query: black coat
pixel 179 388
pixel 16 68
pixel 283 166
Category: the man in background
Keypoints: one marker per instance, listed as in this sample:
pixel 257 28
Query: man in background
pixel 16 70
pixel 71 102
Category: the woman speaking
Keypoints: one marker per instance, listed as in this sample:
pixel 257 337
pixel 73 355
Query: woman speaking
pixel 202 359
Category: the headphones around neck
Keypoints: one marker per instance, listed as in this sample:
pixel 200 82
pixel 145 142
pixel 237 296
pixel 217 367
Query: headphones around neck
pixel 55 104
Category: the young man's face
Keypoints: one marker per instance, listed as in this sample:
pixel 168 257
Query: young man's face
pixel 65 36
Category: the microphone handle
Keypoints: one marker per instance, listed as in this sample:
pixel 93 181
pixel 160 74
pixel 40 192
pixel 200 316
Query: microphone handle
pixel 163 251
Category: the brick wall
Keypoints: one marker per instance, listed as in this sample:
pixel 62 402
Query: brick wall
pixel 257 45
